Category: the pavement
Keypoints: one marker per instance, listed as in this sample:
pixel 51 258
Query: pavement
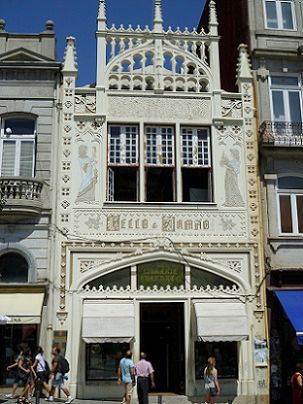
pixel 155 399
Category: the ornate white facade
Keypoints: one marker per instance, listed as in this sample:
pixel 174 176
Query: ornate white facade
pixel 157 114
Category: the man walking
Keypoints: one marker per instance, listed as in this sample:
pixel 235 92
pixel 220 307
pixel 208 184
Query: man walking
pixel 58 371
pixel 144 370
pixel 126 375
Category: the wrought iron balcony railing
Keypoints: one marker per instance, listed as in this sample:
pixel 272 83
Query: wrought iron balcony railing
pixel 281 133
pixel 21 194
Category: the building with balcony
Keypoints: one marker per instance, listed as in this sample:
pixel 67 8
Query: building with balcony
pixel 158 236
pixel 29 80
pixel 273 30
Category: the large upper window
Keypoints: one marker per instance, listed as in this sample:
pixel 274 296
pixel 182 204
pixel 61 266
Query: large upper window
pixel 280 14
pixel 196 165
pixel 169 168
pixel 17 147
pixel 286 103
pixel 122 163
pixel 13 268
pixel 290 193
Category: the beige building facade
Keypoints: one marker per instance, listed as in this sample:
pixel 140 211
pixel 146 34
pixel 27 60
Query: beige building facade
pixel 158 244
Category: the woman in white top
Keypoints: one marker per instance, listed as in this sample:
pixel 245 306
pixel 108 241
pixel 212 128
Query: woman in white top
pixel 42 368
pixel 211 383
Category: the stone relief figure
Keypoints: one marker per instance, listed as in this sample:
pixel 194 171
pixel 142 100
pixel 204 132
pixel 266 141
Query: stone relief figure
pixel 89 175
pixel 233 195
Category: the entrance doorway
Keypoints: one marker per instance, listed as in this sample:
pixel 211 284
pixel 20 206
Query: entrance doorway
pixel 162 339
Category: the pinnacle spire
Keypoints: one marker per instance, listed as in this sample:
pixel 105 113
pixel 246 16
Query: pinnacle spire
pixel 70 58
pixel 158 21
pixel 101 15
pixel 213 20
pixel 243 66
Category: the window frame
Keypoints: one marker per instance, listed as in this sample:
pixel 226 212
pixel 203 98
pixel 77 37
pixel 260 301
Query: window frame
pixel 161 139
pixel 17 139
pixel 278 6
pixel 292 193
pixel 285 89
pixel 123 133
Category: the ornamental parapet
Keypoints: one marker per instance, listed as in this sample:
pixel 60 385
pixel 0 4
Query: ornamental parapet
pixel 288 134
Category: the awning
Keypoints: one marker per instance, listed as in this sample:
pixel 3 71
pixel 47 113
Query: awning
pixel 218 321
pixel 108 322
pixel 21 308
pixel 291 301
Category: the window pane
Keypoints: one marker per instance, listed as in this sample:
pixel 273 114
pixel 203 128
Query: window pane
pixel 278 105
pixel 284 81
pixel 294 106
pixel 285 214
pixel 20 126
pixel 119 278
pixel 300 212
pixel 26 159
pixel 203 278
pixel 102 360
pixel 8 158
pixel 287 15
pixel 271 14
pixel 290 183
pixel 13 268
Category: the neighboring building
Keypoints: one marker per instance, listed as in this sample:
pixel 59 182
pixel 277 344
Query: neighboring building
pixel 158 245
pixel 29 82
pixel 274 32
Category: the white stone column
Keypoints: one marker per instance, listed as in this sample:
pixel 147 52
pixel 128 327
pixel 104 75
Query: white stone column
pixel 178 163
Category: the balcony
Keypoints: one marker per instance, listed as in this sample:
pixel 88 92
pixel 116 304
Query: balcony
pixel 20 196
pixel 284 134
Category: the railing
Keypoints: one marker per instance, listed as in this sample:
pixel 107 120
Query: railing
pixel 20 188
pixel 281 133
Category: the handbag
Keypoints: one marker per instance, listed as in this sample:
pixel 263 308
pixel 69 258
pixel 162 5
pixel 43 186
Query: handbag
pixel 213 391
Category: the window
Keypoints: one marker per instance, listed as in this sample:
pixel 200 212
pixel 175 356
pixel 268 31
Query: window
pixel 102 360
pixel 17 147
pixel 196 165
pixel 122 163
pixel 13 268
pixel 290 195
pixel 202 278
pixel 226 354
pixel 280 14
pixel 286 100
pixel 160 273
pixel 119 278
pixel 159 164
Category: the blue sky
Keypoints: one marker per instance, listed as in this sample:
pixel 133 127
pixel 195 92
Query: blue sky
pixel 78 18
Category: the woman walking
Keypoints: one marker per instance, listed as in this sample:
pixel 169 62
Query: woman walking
pixel 29 375
pixel 211 383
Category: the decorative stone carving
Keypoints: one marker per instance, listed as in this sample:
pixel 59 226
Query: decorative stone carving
pixel 89 174
pixel 167 109
pixel 231 108
pixel 233 132
pixel 233 197
pixel 205 224
pixel 85 104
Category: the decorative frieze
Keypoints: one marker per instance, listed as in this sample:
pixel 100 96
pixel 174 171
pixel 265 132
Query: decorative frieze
pixel 168 109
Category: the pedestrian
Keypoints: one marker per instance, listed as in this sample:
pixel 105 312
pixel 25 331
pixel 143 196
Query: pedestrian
pixel 42 369
pixel 211 383
pixel 144 371
pixel 59 377
pixel 126 376
pixel 14 366
pixel 296 382
pixel 29 375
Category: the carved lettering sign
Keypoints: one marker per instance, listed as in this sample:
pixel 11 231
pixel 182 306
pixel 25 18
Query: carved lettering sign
pixel 203 224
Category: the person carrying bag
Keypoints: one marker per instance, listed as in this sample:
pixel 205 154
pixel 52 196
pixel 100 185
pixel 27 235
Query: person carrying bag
pixel 211 383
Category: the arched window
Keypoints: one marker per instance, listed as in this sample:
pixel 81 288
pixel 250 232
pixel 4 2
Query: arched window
pixel 17 147
pixel 13 268
pixel 290 194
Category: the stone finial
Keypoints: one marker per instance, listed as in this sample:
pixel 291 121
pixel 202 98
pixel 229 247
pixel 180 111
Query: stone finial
pixel 2 25
pixel 49 25
pixel 158 21
pixel 213 20
pixel 101 15
pixel 70 58
pixel 243 66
